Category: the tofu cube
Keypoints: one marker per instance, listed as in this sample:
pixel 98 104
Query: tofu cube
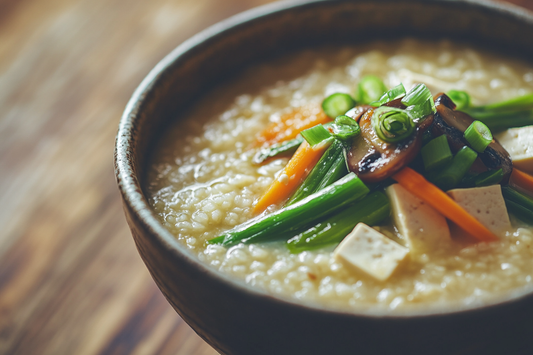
pixel 370 252
pixel 421 225
pixel 486 204
pixel 519 143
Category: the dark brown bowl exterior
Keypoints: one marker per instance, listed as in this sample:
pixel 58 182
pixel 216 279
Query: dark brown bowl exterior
pixel 231 316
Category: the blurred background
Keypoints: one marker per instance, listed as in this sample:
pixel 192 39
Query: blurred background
pixel 71 281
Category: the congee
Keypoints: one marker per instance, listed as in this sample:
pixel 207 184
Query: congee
pixel 389 175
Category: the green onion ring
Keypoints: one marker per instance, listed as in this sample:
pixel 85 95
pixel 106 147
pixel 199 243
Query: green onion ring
pixel 392 124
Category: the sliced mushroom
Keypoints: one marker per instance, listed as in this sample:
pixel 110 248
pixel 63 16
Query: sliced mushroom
pixel 358 111
pixel 454 123
pixel 374 160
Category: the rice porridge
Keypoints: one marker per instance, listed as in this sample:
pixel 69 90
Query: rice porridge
pixel 202 179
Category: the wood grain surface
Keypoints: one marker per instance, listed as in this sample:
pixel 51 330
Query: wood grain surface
pixel 71 281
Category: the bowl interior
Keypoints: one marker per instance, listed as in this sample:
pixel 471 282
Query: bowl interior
pixel 210 57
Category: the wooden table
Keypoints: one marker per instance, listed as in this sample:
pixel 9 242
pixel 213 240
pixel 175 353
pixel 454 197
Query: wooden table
pixel 71 281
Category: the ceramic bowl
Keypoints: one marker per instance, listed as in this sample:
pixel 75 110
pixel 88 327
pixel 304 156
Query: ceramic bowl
pixel 237 319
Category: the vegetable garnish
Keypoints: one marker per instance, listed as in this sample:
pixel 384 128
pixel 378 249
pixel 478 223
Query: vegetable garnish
pixel 337 104
pixel 369 89
pixel 329 169
pixel 419 95
pixel 393 94
pixel 491 177
pixel 278 149
pixel 371 210
pixel 520 103
pixel 478 136
pixel 522 180
pixel 419 102
pixel 293 219
pixel 291 124
pixel 291 176
pixel 519 204
pixel 392 124
pixel 436 153
pixel 499 116
pixel 460 98
pixel 345 128
pixel 316 135
pixel 500 121
pixel 439 200
pixel 451 175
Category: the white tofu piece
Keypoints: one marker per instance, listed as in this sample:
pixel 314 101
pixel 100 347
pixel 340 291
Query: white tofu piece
pixel 486 204
pixel 519 143
pixel 370 252
pixel 421 225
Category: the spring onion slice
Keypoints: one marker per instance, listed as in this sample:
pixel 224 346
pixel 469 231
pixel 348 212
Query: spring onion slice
pixel 393 94
pixel 500 121
pixel 371 210
pixel 392 124
pixel 491 177
pixel 312 182
pixel 523 213
pixel 436 153
pixel 520 103
pixel 478 136
pixel 420 111
pixel 460 98
pixel 337 104
pixel 316 135
pixel 519 204
pixel 345 128
pixel 293 219
pixel 499 116
pixel 339 168
pixel 369 89
pixel 451 175
pixel 421 99
pixel 287 147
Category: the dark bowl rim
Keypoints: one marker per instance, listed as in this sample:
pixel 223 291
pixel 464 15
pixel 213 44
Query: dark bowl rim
pixel 135 200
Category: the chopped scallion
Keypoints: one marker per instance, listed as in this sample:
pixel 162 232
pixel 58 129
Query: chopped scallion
pixel 460 98
pixel 500 121
pixel 318 177
pixel 369 89
pixel 293 219
pixel 420 97
pixel 436 153
pixel 316 135
pixel 523 213
pixel 337 104
pixel 499 116
pixel 520 103
pixel 491 177
pixel 345 128
pixel 451 175
pixel 392 124
pixel 478 136
pixel 371 210
pixel 519 204
pixel 421 110
pixel 393 94
pixel 287 147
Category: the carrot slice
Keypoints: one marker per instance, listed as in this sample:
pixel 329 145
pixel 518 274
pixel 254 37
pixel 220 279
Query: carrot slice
pixel 301 163
pixel 291 124
pixel 522 180
pixel 439 200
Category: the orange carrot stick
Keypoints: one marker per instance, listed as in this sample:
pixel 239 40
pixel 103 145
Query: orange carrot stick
pixel 439 200
pixel 522 180
pixel 301 163
pixel 291 124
